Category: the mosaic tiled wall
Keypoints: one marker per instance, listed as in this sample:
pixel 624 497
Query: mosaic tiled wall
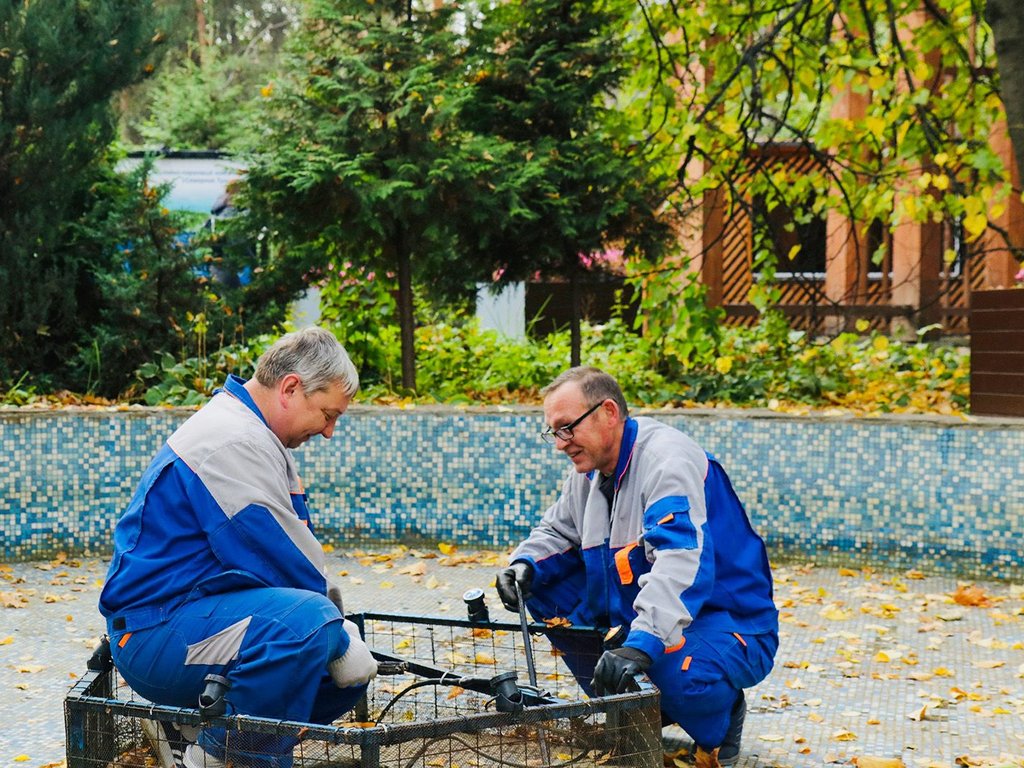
pixel 931 494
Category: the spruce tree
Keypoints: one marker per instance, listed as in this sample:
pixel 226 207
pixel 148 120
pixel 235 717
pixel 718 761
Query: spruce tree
pixel 60 63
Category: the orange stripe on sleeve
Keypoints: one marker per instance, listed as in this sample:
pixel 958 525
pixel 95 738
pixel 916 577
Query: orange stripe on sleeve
pixel 124 639
pixel 622 563
pixel 742 641
pixel 686 663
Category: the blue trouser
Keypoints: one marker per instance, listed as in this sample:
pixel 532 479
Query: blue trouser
pixel 272 644
pixel 699 681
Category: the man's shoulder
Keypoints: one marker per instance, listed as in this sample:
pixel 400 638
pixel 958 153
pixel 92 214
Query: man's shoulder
pixel 656 439
pixel 223 422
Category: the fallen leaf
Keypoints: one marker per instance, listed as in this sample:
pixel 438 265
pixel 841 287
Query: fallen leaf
pixel 971 595
pixel 843 735
pixel 836 613
pixel 416 569
pixel 878 762
pixel 446 549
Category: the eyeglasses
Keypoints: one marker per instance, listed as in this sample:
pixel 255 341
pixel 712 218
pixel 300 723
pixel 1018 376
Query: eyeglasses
pixel 565 433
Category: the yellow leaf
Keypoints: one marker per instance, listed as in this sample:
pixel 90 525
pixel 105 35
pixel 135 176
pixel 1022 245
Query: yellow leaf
pixel 989 664
pixel 843 736
pixel 483 658
pixel 446 549
pixel 387 585
pixel 22 759
pixel 836 613
pixel 328 548
pixel 878 762
pixel 723 364
pixel 7 640
pixel 975 224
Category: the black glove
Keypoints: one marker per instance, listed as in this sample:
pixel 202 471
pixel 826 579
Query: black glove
pixel 520 573
pixel 615 669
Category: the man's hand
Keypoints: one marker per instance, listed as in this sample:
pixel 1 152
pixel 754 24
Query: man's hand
pixel 615 669
pixel 357 665
pixel 520 573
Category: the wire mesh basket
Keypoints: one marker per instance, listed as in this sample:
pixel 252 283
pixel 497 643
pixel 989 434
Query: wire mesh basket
pixel 449 693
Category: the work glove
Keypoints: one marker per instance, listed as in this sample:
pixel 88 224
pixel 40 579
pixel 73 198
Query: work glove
pixel 356 666
pixel 615 669
pixel 520 573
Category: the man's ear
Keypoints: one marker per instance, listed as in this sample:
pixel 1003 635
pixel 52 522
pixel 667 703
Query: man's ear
pixel 288 387
pixel 610 407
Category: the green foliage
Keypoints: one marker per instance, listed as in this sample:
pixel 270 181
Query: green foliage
pixel 191 381
pixel 154 287
pixel 221 59
pixel 912 144
pixel 203 106
pixel 17 393
pixel 359 306
pixel 569 183
pixel 353 139
pixel 772 365
pixel 60 63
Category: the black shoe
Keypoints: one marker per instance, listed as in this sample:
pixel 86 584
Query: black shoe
pixel 729 752
pixel 168 741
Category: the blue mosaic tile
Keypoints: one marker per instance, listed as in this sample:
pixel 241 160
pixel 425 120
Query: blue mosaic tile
pixel 940 495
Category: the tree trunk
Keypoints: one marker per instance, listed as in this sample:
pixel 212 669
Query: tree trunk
pixel 577 303
pixel 1004 16
pixel 406 317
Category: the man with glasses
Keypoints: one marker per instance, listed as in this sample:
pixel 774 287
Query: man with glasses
pixel 217 571
pixel 649 540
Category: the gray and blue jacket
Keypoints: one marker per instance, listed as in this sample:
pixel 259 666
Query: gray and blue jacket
pixel 219 509
pixel 675 548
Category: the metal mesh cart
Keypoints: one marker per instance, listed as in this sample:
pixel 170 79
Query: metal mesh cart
pixel 450 693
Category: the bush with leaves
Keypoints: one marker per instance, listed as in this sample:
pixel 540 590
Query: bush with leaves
pixel 156 287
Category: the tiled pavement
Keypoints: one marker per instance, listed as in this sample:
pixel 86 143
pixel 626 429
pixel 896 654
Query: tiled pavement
pixel 871 664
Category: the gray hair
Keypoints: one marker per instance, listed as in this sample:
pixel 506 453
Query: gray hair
pixel 312 354
pixel 596 386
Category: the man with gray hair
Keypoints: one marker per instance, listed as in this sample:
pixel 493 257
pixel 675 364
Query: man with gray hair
pixel 217 571
pixel 649 540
